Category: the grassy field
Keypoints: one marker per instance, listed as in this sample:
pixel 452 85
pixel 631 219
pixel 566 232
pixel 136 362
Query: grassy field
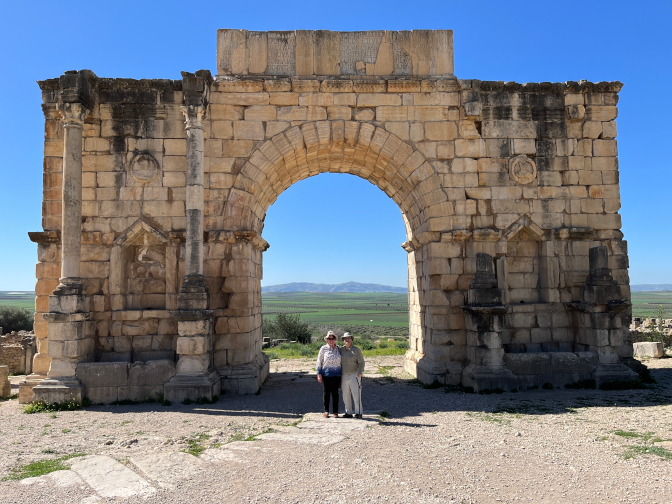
pixel 645 304
pixel 22 299
pixel 372 311
pixel 360 309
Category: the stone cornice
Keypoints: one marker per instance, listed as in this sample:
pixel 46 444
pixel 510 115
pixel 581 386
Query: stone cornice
pixel 45 236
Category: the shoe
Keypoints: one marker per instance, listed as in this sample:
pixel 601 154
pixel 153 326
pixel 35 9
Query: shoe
pixel 359 415
pixel 335 415
pixel 347 415
pixel 326 415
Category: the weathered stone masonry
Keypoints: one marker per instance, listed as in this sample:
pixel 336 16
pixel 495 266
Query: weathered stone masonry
pixel 509 193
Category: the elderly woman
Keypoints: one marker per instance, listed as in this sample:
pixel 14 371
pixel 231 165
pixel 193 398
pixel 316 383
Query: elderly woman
pixel 352 367
pixel 329 372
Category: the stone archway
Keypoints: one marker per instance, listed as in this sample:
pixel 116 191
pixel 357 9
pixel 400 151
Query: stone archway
pixel 303 151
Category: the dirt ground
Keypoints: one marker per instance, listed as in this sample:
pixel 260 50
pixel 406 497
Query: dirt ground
pixel 541 446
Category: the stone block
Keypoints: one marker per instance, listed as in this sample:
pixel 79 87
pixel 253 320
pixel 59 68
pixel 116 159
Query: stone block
pixel 192 345
pixel 103 374
pixel 156 372
pixel 648 349
pixel 193 364
pixel 248 130
pixel 378 99
pixel 102 395
pixel 528 363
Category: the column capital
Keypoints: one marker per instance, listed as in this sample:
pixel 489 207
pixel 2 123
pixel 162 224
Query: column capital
pixel 73 114
pixel 193 116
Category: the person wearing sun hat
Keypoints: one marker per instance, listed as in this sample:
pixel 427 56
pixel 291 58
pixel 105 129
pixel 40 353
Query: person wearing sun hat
pixel 352 369
pixel 329 372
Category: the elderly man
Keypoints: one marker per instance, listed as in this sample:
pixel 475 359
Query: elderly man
pixel 352 367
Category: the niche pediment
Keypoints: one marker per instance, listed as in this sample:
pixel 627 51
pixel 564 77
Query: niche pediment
pixel 524 229
pixel 141 234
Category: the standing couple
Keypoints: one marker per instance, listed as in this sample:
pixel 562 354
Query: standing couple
pixel 341 366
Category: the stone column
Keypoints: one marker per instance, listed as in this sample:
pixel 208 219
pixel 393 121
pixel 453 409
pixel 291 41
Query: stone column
pixel 71 213
pixel 193 293
pixel 195 376
pixel 70 329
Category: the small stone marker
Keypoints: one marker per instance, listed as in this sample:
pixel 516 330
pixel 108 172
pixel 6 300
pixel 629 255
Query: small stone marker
pixel 5 386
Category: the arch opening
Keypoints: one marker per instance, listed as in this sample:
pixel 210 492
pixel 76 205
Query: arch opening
pixel 360 149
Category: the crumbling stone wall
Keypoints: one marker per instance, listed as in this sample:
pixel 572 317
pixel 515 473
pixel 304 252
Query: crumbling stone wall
pixel 16 351
pixel 177 177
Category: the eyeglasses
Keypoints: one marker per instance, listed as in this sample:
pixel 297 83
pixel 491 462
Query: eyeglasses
pixel 331 339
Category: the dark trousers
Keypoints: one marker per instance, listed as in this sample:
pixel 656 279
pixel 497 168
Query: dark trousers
pixel 331 384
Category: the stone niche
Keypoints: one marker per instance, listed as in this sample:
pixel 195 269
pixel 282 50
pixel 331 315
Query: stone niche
pixel 143 283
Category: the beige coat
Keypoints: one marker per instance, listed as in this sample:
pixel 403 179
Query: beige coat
pixel 352 360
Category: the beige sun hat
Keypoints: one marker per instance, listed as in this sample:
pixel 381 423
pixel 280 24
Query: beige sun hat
pixel 348 335
pixel 330 333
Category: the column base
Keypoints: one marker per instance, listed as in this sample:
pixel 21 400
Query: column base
pixel 606 373
pixel 26 387
pixel 488 378
pixel 192 387
pixel 246 378
pixel 59 390
pixel 428 371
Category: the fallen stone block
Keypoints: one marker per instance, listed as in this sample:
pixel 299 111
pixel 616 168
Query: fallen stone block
pixel 649 349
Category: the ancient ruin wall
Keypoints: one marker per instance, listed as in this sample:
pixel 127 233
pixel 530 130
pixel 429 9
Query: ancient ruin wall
pixel 526 173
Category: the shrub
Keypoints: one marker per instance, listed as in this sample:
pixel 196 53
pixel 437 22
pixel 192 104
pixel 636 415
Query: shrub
pixel 382 344
pixel 286 326
pixel 307 351
pixel 268 329
pixel 44 407
pixel 366 345
pixel 403 344
pixel 13 318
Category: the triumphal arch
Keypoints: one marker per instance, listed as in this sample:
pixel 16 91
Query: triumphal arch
pixel 155 194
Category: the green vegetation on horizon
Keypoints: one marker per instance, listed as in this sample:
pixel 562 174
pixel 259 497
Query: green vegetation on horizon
pixel 645 304
pixel 345 309
pixel 367 309
pixel 22 299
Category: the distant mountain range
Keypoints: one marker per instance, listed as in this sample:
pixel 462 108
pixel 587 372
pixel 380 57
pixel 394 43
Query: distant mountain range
pixel 344 287
pixel 650 287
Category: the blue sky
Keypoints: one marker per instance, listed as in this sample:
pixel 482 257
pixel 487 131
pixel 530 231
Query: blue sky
pixel 336 228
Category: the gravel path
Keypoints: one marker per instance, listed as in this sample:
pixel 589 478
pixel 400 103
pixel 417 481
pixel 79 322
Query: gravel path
pixel 538 446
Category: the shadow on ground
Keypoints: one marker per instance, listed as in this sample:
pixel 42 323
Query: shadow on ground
pixel 288 396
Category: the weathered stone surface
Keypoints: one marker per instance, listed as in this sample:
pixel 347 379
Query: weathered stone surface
pixel 323 52
pixel 649 349
pixel 161 232
pixel 103 374
pixel 156 372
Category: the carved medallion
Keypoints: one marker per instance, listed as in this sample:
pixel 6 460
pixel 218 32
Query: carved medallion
pixel 144 167
pixel 522 169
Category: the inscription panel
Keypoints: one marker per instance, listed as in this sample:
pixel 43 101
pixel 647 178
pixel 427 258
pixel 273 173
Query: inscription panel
pixel 402 61
pixel 281 53
pixel 359 47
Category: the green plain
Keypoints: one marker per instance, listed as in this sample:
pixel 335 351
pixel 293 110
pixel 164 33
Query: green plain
pixel 367 309
pixel 645 304
pixel 22 299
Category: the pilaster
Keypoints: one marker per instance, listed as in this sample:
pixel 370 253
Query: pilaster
pixel 70 329
pixel 601 314
pixel 195 376
pixel 484 321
